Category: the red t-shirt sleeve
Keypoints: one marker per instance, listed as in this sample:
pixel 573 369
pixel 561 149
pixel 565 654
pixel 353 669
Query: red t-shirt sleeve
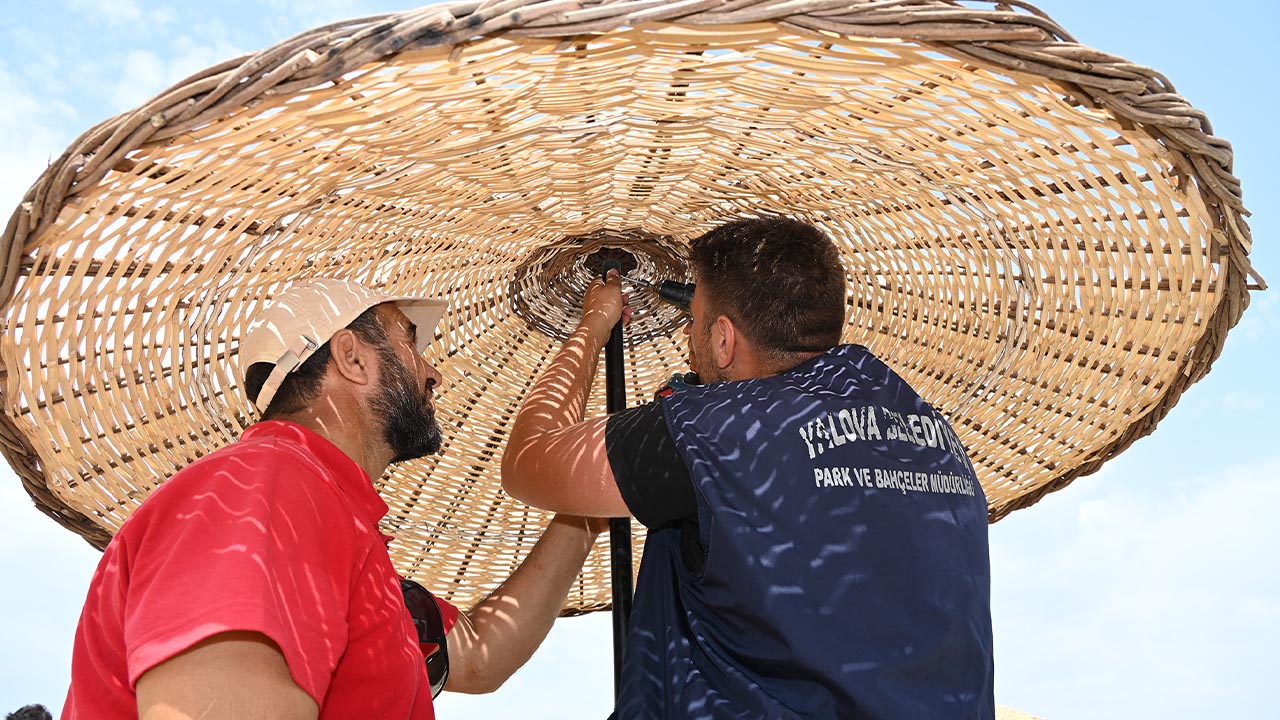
pixel 252 543
pixel 448 617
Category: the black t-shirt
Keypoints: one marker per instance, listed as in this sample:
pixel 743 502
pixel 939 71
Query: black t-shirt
pixel 650 474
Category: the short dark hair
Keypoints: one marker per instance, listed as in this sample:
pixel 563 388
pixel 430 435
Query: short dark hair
pixel 779 280
pixel 301 386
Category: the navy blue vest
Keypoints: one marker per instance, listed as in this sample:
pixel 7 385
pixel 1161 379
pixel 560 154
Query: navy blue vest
pixel 846 570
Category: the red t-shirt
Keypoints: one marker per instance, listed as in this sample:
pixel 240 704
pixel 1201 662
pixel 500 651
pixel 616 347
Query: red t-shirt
pixel 276 534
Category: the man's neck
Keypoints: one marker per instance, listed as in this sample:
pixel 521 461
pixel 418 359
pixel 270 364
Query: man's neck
pixel 348 433
pixel 792 360
pixel 754 365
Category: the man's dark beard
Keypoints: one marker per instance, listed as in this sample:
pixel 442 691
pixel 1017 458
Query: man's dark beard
pixel 409 422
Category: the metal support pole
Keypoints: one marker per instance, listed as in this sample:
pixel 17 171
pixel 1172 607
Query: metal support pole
pixel 620 566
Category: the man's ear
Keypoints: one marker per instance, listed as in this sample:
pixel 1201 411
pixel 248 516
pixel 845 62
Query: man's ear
pixel 351 358
pixel 724 341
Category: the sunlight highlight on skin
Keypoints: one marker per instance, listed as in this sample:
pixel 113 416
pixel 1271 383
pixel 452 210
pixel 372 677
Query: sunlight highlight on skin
pixel 548 445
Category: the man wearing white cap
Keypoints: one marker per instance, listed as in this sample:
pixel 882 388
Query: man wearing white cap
pixel 255 582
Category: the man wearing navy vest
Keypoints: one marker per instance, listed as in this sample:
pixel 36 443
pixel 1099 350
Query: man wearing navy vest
pixel 817 537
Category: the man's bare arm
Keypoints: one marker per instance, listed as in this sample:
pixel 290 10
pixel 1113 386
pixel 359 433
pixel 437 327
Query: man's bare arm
pixel 496 637
pixel 229 676
pixel 553 459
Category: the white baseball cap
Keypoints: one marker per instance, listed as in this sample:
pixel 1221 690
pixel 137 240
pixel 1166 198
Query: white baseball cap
pixel 304 317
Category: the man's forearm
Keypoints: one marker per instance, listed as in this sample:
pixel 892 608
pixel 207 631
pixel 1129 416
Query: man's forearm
pixel 498 635
pixel 553 459
pixel 559 397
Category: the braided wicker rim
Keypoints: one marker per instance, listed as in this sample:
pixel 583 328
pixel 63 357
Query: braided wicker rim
pixel 1009 42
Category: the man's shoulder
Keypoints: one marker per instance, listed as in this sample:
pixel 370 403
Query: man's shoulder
pixel 260 454
pixel 251 477
pixel 639 420
pixel 252 464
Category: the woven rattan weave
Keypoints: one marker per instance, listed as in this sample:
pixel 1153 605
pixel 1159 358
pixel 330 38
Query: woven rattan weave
pixel 1044 239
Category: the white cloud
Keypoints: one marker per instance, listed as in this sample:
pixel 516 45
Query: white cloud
pixel 288 17
pixel 1242 403
pixel 142 75
pixel 32 132
pixel 190 56
pixel 313 13
pixel 1163 602
pixel 47 571
pixel 1261 320
pixel 112 11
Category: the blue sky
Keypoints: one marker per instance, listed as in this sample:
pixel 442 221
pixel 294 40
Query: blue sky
pixel 1150 589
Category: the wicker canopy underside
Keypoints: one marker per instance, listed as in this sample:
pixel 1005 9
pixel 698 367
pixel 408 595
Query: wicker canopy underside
pixel 1041 238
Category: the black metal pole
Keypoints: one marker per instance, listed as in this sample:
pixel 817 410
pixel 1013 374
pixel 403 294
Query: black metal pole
pixel 620 566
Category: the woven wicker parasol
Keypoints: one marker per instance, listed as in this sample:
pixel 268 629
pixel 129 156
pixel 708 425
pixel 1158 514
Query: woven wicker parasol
pixel 1044 239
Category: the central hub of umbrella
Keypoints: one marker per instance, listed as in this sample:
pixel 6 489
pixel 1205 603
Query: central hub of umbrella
pixel 547 288
pixel 598 259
